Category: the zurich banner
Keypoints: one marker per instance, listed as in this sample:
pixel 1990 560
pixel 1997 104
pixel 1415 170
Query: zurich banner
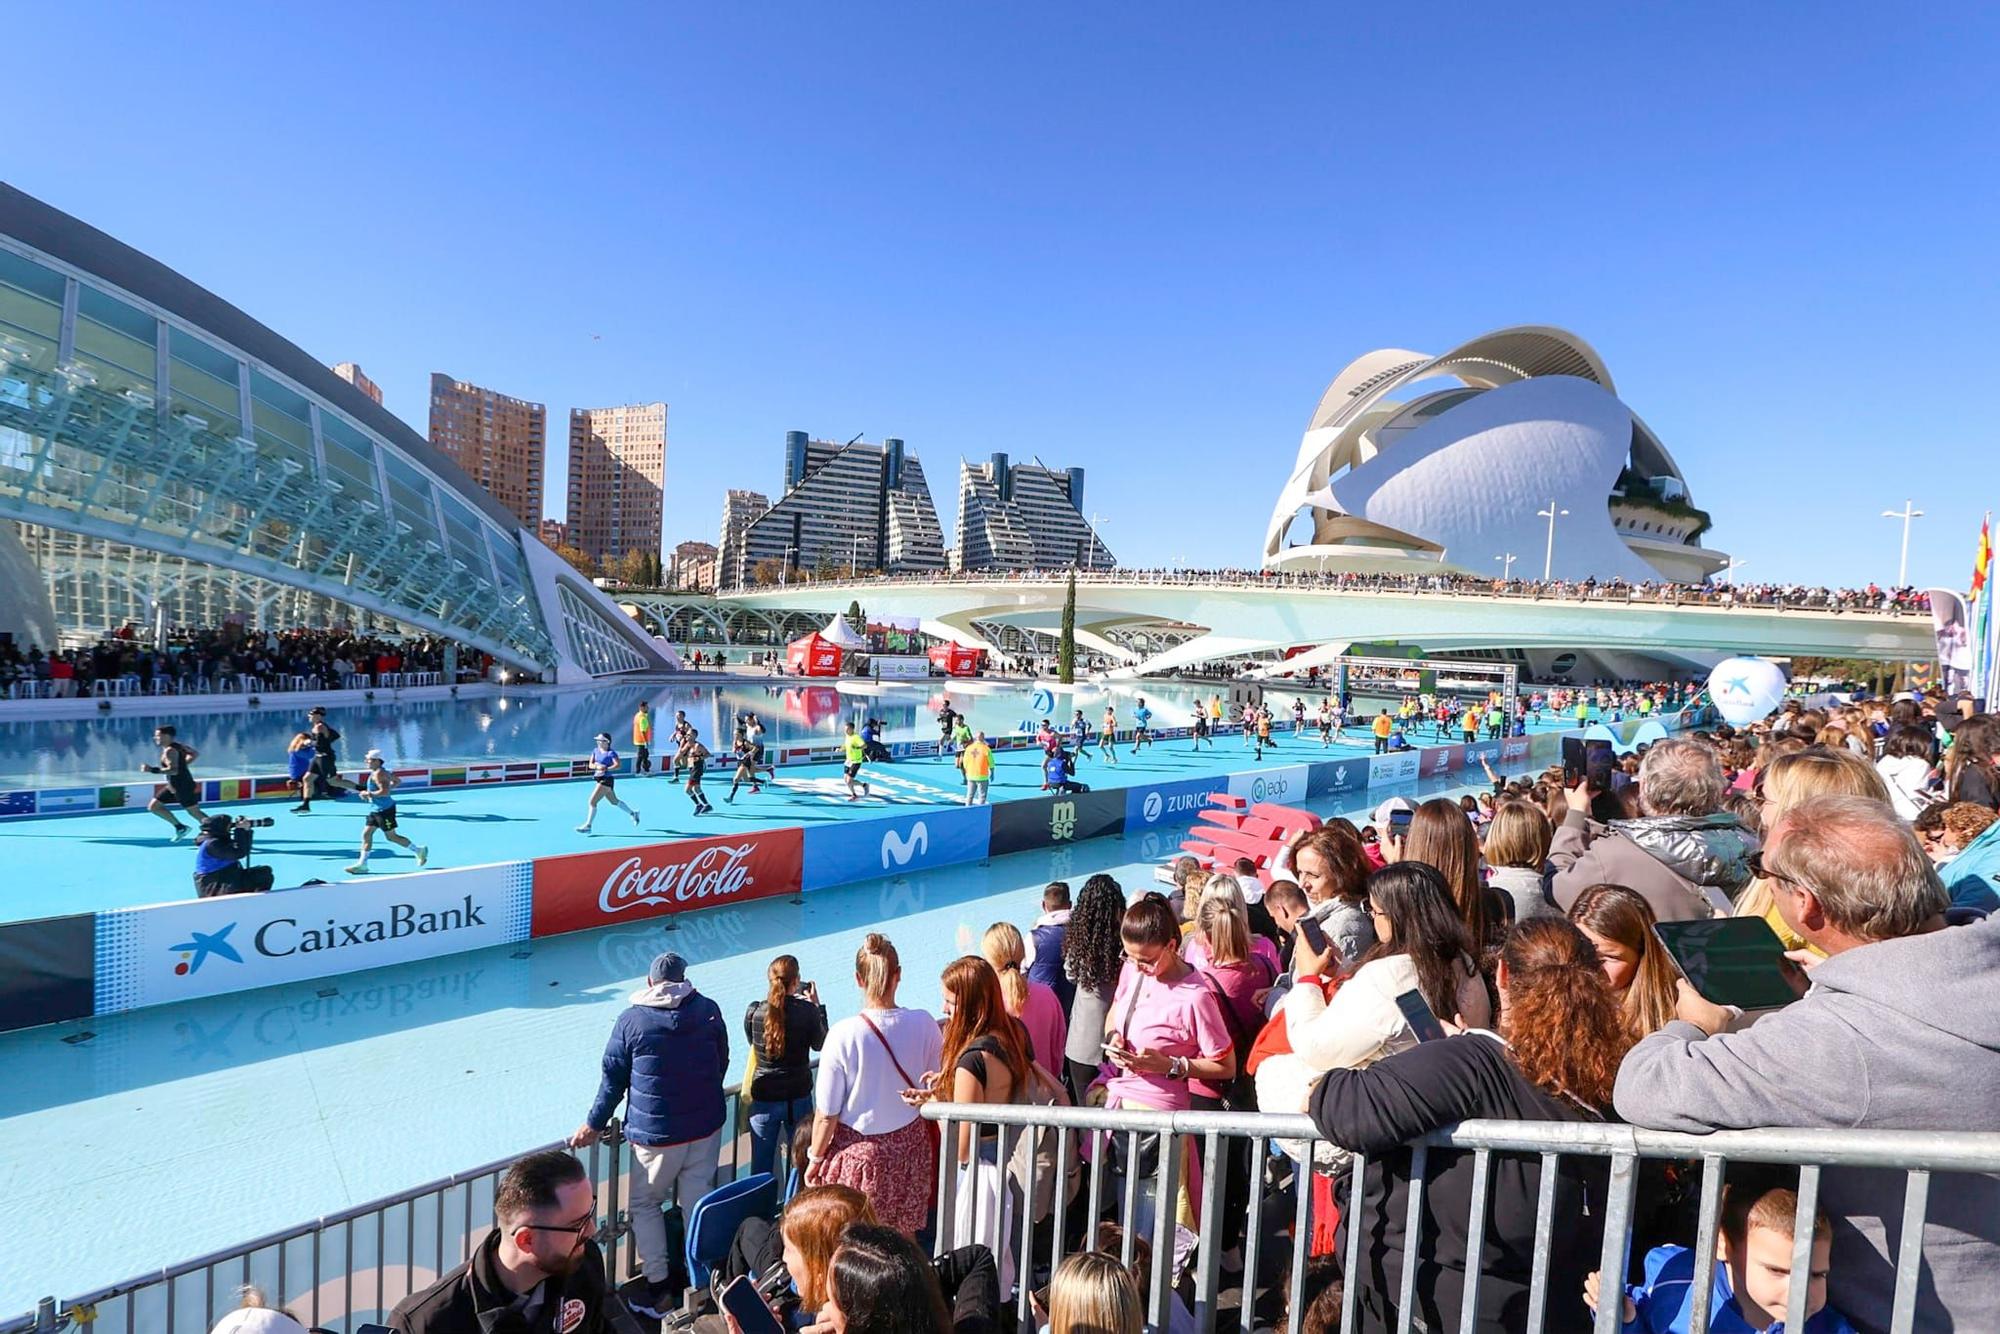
pixel 839 854
pixel 1159 804
pixel 1332 778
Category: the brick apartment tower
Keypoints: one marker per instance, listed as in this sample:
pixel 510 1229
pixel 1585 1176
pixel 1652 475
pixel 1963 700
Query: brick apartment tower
pixel 499 441
pixel 617 479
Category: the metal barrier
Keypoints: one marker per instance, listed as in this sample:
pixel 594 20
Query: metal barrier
pixel 346 1269
pixel 1917 1155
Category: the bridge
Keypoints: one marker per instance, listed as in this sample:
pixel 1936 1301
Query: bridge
pixel 1227 615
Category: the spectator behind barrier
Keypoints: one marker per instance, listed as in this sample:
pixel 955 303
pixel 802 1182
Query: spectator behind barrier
pixel 1048 932
pixel 1093 955
pixel 1816 771
pixel 1332 868
pixel 255 1316
pixel 1516 849
pixel 1442 837
pixel 1554 1059
pixel 1684 854
pixel 1973 872
pixel 1619 924
pixel 1899 1031
pixel 784 1029
pixel 1034 1004
pixel 882 1284
pixel 1092 1293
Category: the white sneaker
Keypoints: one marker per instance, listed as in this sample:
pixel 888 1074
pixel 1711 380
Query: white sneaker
pixel 583 829
pixel 635 818
pixel 359 868
pixel 423 851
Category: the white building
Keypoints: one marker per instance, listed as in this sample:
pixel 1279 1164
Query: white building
pixel 1023 516
pixel 1454 463
pixel 857 505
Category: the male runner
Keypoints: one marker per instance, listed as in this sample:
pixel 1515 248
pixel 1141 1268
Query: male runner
pixel 1142 723
pixel 746 767
pixel 856 751
pixel 976 758
pixel 179 789
pixel 642 739
pixel 1298 716
pixel 1079 735
pixel 325 766
pixel 753 732
pixel 947 729
pixel 679 736
pixel 379 788
pixel 695 756
pixel 1201 732
pixel 1325 723
pixel 1107 738
pixel 1264 731
pixel 604 763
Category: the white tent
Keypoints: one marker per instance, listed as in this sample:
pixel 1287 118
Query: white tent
pixel 838 631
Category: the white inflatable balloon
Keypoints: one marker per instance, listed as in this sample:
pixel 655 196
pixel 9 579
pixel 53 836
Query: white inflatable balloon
pixel 1745 689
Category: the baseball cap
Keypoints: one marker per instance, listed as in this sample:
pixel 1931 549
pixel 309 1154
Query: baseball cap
pixel 372 755
pixel 1392 804
pixel 602 736
pixel 257 1320
pixel 667 967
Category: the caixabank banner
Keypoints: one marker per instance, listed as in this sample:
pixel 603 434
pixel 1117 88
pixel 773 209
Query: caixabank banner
pixel 1056 821
pixel 837 854
pixel 208 947
pixel 582 890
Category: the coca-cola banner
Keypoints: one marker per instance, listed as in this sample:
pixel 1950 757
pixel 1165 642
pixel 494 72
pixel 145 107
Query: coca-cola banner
pixel 587 889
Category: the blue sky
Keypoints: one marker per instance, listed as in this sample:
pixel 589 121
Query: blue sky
pixel 1139 239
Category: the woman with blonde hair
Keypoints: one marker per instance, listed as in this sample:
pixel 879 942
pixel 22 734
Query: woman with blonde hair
pixel 1034 1003
pixel 1815 771
pixel 1443 839
pixel 866 1134
pixel 1092 1293
pixel 1619 923
pixel 1517 857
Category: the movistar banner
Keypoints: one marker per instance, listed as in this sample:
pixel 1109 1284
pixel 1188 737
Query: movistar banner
pixel 838 854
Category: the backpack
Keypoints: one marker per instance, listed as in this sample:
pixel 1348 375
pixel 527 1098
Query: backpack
pixel 1039 1147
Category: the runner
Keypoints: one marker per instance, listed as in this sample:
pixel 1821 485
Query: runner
pixel 179 789
pixel 1107 737
pixel 695 756
pixel 1264 732
pixel 325 767
pixel 298 760
pixel 1326 722
pixel 679 737
pixel 379 788
pixel 976 759
pixel 642 739
pixel 1201 732
pixel 753 732
pixel 604 763
pixel 746 769
pixel 1079 735
pixel 1142 725
pixel 961 735
pixel 1247 721
pixel 948 719
pixel 857 752
pixel 1298 716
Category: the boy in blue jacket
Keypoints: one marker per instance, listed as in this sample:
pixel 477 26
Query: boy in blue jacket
pixel 1752 1282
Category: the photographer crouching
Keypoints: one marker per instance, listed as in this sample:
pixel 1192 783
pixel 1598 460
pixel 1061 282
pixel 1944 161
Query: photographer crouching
pixel 218 858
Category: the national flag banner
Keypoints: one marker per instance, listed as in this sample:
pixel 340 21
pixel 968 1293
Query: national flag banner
pixel 236 789
pixel 275 786
pixel 17 803
pixel 485 773
pixel 555 768
pixel 1985 625
pixel 66 799
pixel 111 798
pixel 447 778
pixel 523 773
pixel 413 778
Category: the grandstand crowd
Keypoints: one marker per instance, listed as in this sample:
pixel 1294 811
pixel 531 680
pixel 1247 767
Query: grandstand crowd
pixel 212 655
pixel 1523 917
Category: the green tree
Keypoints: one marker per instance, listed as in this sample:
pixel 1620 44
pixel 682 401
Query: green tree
pixel 1066 646
pixel 767 572
pixel 857 620
pixel 580 561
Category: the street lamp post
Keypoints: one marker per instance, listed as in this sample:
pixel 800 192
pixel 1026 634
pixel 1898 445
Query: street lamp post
pixel 1729 569
pixel 785 570
pixel 1507 567
pixel 1095 542
pixel 854 559
pixel 1907 513
pixel 1549 554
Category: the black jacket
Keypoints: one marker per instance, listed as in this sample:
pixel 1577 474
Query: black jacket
pixel 783 1078
pixel 472 1300
pixel 1379 1110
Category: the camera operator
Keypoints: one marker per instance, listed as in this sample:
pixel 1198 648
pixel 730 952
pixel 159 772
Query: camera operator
pixel 218 858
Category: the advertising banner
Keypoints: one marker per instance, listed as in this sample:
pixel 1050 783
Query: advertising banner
pixel 207 947
pixel 1283 784
pixel 581 890
pixel 1046 822
pixel 837 854
pixel 1396 767
pixel 1159 804
pixel 1514 750
pixel 48 970
pixel 1482 750
pixel 1332 778
pixel 1439 760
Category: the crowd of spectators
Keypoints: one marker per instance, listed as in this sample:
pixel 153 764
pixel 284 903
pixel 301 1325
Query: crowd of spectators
pixel 1521 918
pixel 191 654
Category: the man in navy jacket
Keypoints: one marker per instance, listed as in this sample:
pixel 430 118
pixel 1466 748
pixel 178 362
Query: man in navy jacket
pixel 666 1059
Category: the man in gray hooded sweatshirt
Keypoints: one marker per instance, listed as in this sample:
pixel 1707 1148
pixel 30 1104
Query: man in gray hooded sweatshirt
pixel 1900 1030
pixel 1685 856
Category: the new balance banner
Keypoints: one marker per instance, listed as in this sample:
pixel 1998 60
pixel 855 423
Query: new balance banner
pixel 1332 778
pixel 206 947
pixel 836 854
pixel 1055 821
pixel 47 970
pixel 1160 804
pixel 586 889
pixel 1281 784
pixel 1436 760
pixel 1396 767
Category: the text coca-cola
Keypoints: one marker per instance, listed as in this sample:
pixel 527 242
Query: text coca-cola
pixel 587 889
pixel 712 873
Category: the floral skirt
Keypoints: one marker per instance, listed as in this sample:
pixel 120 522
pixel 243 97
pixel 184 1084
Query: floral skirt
pixel 896 1171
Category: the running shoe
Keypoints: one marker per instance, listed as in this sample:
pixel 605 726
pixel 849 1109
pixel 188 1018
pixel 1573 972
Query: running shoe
pixel 583 829
pixel 180 831
pixel 359 868
pixel 301 810
pixel 423 851
pixel 634 813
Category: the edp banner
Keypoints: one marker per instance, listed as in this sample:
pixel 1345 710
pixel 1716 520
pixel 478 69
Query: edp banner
pixel 836 854
pixel 208 947
pixel 1056 821
pixel 1281 785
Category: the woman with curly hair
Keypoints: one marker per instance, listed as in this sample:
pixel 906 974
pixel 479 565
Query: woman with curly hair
pixel 1092 956
pixel 1554 1059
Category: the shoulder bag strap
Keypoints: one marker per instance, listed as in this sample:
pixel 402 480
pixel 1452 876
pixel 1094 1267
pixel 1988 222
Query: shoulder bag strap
pixel 907 1081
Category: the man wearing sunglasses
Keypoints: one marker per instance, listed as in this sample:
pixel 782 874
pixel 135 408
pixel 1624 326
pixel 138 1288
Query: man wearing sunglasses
pixel 538 1272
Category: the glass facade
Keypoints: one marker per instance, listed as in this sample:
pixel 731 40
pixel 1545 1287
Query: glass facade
pixel 216 481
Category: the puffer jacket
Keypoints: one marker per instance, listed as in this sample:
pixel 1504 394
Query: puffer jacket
pixel 1686 866
pixel 666 1058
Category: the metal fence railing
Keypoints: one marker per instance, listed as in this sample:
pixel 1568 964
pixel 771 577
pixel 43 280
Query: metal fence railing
pixel 349 1268
pixel 1127 1198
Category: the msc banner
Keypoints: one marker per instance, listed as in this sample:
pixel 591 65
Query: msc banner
pixel 1396 767
pixel 178 951
pixel 1332 778
pixel 1281 784
pixel 48 970
pixel 585 889
pixel 1160 804
pixel 837 854
pixel 1047 822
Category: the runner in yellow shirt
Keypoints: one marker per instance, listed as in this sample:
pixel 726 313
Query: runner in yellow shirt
pixel 856 752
